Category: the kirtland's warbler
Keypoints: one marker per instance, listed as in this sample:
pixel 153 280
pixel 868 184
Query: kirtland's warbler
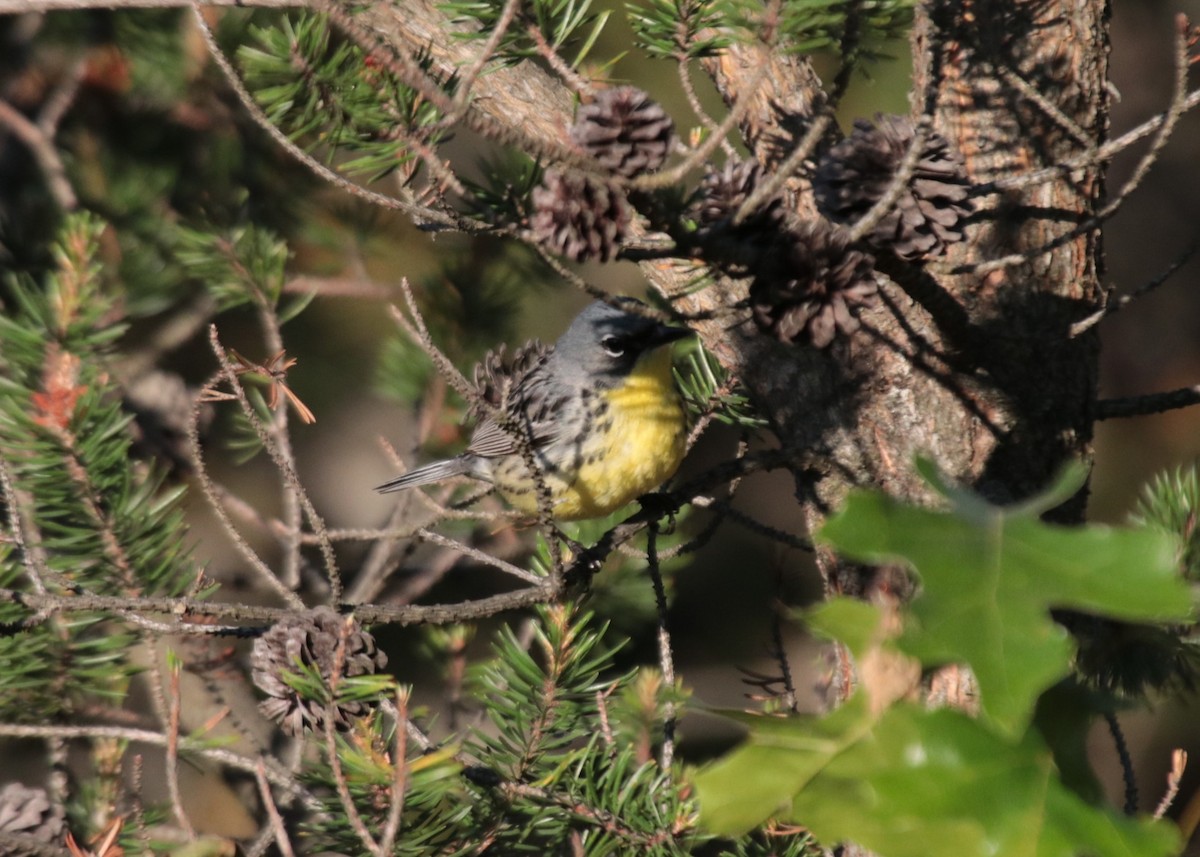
pixel 604 420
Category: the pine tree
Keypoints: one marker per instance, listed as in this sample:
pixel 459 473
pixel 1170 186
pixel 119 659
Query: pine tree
pixel 909 308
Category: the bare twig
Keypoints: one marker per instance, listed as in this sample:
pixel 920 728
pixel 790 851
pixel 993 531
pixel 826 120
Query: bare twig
pixel 693 100
pixel 212 494
pixel 666 656
pixel 278 830
pixel 16 530
pixel 1092 156
pixel 41 146
pixel 1115 306
pixel 172 762
pixel 479 556
pixel 420 333
pixel 282 461
pixel 816 129
pixel 157 739
pixel 1048 107
pixel 391 827
pixel 331 752
pixel 1127 772
pixel 46 605
pixel 1151 403
pixel 574 81
pixel 701 153
pixel 466 81
pixel 898 184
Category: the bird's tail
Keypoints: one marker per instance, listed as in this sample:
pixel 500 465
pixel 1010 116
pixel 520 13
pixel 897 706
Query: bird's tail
pixel 435 472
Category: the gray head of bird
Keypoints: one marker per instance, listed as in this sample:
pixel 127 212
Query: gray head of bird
pixel 604 342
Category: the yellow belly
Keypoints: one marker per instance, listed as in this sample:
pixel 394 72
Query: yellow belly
pixel 640 447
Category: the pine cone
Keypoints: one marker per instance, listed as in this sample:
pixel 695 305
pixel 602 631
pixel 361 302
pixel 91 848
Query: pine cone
pixel 856 173
pixel 311 640
pixel 722 193
pixel 496 376
pixel 29 812
pixel 814 289
pixel 625 131
pixel 579 217
pixel 719 197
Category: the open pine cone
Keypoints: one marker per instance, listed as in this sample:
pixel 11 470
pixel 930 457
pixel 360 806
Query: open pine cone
pixel 723 191
pixel 625 131
pixel 311 640
pixel 814 289
pixel 856 173
pixel 29 812
pixel 578 216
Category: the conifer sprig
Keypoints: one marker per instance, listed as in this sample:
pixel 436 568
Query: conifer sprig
pixel 84 517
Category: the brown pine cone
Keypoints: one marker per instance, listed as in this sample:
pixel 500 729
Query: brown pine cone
pixel 311 640
pixel 814 289
pixel 625 131
pixel 856 173
pixel 578 216
pixel 29 812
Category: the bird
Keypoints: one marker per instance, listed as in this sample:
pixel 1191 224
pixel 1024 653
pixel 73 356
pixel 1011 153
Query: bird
pixel 604 419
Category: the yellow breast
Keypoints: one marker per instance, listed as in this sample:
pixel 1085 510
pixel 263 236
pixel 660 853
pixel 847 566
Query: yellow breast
pixel 636 444
pixel 640 446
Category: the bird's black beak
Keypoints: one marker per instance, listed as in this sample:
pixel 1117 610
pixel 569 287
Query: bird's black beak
pixel 661 334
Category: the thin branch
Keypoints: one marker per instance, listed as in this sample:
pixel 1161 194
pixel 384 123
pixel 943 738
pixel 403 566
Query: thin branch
pixel 49 604
pixel 697 156
pixel 466 81
pixel 574 81
pixel 1151 403
pixel 1127 772
pixel 1113 307
pixel 689 90
pixel 479 556
pixel 16 530
pixel 41 146
pixel 61 98
pixel 391 827
pixel 420 334
pixel 1089 158
pixel 899 182
pixel 281 461
pixel 666 657
pixel 172 762
pixel 334 758
pixel 778 650
pixel 278 830
pixel 212 494
pixel 156 739
pixel 289 487
pixel 1048 107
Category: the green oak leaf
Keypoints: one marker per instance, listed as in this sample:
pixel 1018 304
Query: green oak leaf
pixel 990 576
pixel 915 783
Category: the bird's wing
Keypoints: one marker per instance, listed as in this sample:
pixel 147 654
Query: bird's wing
pixel 541 415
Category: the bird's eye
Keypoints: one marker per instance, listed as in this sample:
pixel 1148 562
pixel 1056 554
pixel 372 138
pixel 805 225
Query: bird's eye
pixel 612 346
